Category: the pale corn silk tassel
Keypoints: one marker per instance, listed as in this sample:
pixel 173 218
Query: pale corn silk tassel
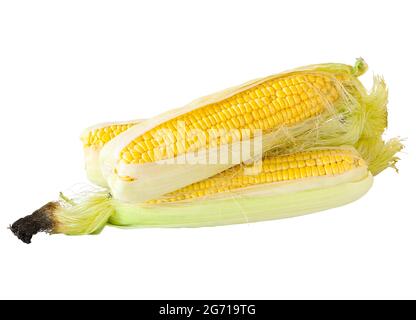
pixel 85 214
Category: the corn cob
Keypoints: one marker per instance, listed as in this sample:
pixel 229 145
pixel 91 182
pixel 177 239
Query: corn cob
pixel 284 182
pixel 274 169
pixel 266 104
pixel 93 140
pixel 313 106
pixel 97 136
pixel 287 185
pixel 280 101
pixel 334 177
pixel 367 119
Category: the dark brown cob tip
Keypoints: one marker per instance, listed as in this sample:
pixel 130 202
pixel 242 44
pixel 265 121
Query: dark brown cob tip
pixel 39 221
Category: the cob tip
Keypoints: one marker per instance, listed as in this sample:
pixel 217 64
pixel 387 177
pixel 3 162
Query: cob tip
pixel 39 221
pixel 360 67
pixel 86 214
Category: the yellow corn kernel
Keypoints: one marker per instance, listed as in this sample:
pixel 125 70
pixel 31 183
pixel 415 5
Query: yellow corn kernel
pixel 274 169
pixel 280 101
pixel 103 134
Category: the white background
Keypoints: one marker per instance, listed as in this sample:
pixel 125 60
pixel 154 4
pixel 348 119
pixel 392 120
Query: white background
pixel 65 65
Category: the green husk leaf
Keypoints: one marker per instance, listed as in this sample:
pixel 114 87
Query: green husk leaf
pixel 239 209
